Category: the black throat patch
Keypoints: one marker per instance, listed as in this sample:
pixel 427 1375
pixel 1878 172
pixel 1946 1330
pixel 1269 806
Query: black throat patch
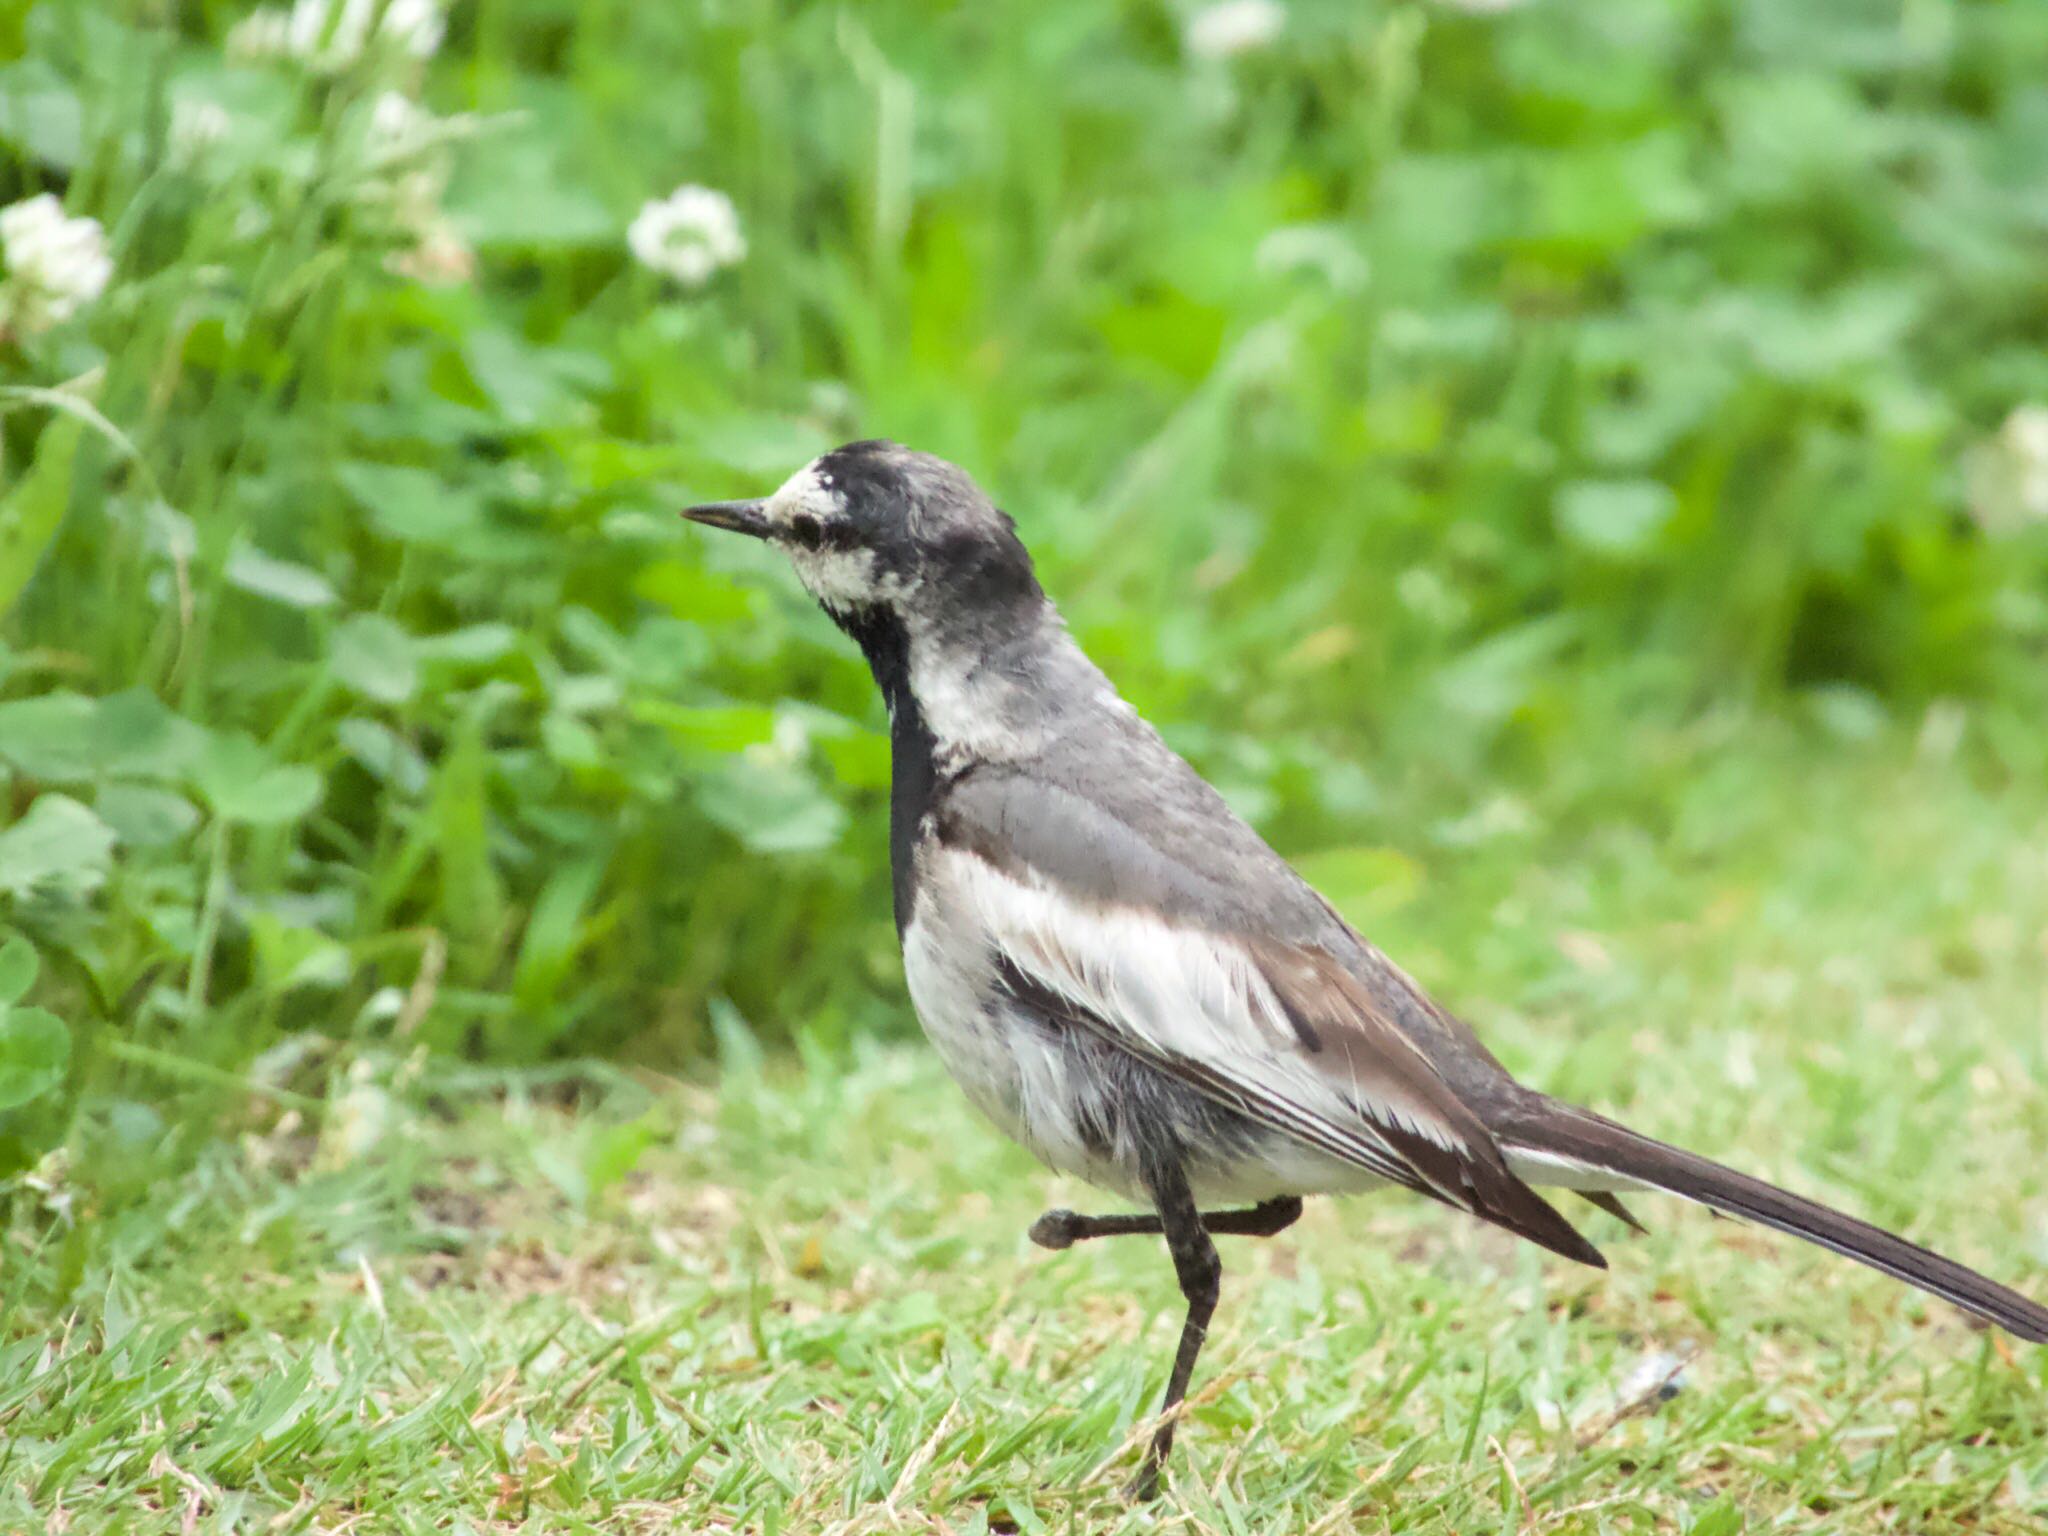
pixel 913 766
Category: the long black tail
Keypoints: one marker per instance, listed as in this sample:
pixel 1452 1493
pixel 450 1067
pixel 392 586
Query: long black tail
pixel 1576 1137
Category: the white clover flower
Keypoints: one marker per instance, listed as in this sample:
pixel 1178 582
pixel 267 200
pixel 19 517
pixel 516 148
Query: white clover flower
pixel 55 265
pixel 400 128
pixel 398 124
pixel 323 33
pixel 2025 437
pixel 335 33
pixel 406 177
pixel 688 235
pixel 265 33
pixel 1233 27
pixel 417 26
pixel 196 126
pixel 2007 477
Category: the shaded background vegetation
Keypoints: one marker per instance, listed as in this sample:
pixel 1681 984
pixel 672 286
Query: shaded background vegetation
pixel 1471 434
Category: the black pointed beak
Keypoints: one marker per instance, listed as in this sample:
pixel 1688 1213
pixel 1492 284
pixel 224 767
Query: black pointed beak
pixel 734 516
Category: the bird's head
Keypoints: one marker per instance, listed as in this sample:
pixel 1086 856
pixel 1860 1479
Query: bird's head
pixel 874 528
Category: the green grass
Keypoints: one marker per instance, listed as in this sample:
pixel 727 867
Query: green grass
pixel 444 1298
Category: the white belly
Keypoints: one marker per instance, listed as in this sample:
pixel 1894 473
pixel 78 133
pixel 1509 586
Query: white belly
pixel 1007 1072
pixel 1070 1101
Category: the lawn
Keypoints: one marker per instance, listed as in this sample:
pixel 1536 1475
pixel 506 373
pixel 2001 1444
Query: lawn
pixel 456 1298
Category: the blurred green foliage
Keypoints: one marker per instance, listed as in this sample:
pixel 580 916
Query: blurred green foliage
pixel 1435 419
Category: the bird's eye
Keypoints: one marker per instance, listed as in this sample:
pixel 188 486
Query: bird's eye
pixel 805 529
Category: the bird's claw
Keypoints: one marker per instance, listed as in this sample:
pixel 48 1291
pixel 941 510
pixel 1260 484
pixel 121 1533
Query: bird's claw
pixel 1055 1229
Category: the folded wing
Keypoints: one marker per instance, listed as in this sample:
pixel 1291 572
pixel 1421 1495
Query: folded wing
pixel 1283 1032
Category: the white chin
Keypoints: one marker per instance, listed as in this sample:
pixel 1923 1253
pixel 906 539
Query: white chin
pixel 843 578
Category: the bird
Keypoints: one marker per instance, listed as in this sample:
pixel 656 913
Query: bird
pixel 1123 976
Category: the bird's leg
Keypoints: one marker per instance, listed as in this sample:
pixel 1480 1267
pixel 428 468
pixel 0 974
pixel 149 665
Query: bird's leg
pixel 1200 1272
pixel 1063 1229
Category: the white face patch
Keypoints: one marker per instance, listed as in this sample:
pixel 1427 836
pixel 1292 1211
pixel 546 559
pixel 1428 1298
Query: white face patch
pixel 805 491
pixel 839 578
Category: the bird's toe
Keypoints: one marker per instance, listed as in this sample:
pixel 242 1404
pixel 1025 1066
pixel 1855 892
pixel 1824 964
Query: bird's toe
pixel 1055 1229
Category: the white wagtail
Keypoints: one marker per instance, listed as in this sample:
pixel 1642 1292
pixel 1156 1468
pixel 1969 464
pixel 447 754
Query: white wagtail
pixel 1126 979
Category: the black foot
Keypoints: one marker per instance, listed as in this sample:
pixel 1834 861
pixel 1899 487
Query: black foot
pixel 1057 1229
pixel 1063 1229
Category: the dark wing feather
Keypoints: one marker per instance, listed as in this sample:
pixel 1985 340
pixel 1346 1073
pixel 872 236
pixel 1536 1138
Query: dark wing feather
pixel 1098 924
pixel 1344 1028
